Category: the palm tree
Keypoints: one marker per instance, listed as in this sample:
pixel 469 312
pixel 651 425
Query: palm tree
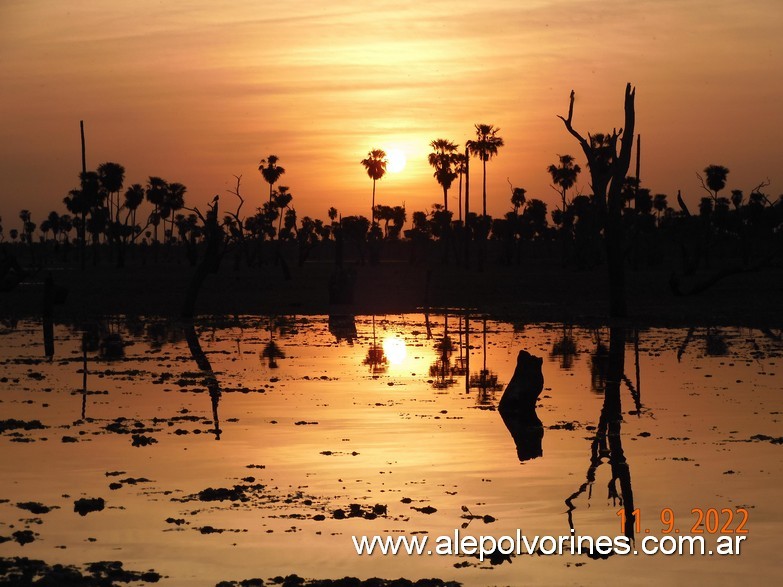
pixel 518 199
pixel 736 198
pixel 398 220
pixel 66 225
pixel 282 199
pixel 111 177
pixel 716 179
pixel 271 172
pixel 660 204
pixel 174 201
pixel 134 196
pixel 442 159
pixel 375 164
pixel 565 175
pixel 485 147
pixel 157 191
pixel 460 167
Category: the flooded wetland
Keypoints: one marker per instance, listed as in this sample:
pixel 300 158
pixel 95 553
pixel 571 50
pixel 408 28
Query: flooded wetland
pixel 258 447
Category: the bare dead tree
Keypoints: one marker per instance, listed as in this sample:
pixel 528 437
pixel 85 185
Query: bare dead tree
pixel 219 237
pixel 608 169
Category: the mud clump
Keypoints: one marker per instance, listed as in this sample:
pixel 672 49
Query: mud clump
pixel 297 581
pixel 13 424
pixel 141 440
pixel 34 507
pixel 23 537
pixel 25 572
pixel 764 437
pixel 356 510
pixel 87 505
pixel 236 493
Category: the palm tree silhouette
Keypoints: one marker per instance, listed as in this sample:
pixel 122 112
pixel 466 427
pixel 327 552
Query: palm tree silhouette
pixel 157 191
pixel 282 198
pixel 174 200
pixel 660 204
pixel 134 196
pixel 485 147
pixel 443 160
pixel 460 167
pixel 564 176
pixel 271 171
pixel 111 177
pixel 375 164
pixel 716 179
pixel 518 199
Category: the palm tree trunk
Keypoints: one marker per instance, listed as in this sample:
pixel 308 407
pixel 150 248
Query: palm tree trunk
pixel 485 189
pixel 460 197
pixel 445 199
pixel 466 232
pixel 372 212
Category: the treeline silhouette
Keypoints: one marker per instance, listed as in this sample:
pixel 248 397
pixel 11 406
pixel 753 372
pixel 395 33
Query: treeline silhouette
pixel 99 216
pixel 745 226
pixel 622 224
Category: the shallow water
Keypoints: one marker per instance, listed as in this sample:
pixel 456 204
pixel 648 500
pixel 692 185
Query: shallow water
pixel 307 417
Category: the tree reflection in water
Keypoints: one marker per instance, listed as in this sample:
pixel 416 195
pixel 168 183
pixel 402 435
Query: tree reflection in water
pixel 460 363
pixel 485 381
pixel 343 327
pixel 202 361
pixel 272 351
pixel 376 358
pixel 565 348
pixel 441 370
pixel 607 443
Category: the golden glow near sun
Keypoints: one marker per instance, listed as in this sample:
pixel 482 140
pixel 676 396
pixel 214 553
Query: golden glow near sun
pixel 395 160
pixel 393 347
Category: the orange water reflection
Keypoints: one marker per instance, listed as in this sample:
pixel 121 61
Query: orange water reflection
pixel 654 414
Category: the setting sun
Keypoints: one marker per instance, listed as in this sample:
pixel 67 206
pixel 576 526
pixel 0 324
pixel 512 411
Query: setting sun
pixel 396 160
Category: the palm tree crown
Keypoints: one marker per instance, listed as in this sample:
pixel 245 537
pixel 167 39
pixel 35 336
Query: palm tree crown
pixel 716 178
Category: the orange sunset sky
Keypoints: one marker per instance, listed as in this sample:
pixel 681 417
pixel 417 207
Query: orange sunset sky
pixel 199 91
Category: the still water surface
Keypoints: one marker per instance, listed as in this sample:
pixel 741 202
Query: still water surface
pixel 393 422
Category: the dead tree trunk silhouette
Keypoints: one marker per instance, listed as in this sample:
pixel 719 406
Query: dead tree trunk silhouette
pixel 213 239
pixel 608 170
pixel 82 231
pixel 219 238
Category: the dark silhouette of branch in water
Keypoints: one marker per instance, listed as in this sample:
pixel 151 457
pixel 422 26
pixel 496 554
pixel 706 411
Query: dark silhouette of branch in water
pixel 621 472
pixel 637 400
pixel 686 341
pixel 84 379
pixel 769 334
pixel 200 357
pixel 706 283
pixel 598 451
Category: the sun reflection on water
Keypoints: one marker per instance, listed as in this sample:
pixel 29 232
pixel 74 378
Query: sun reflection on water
pixel 394 349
